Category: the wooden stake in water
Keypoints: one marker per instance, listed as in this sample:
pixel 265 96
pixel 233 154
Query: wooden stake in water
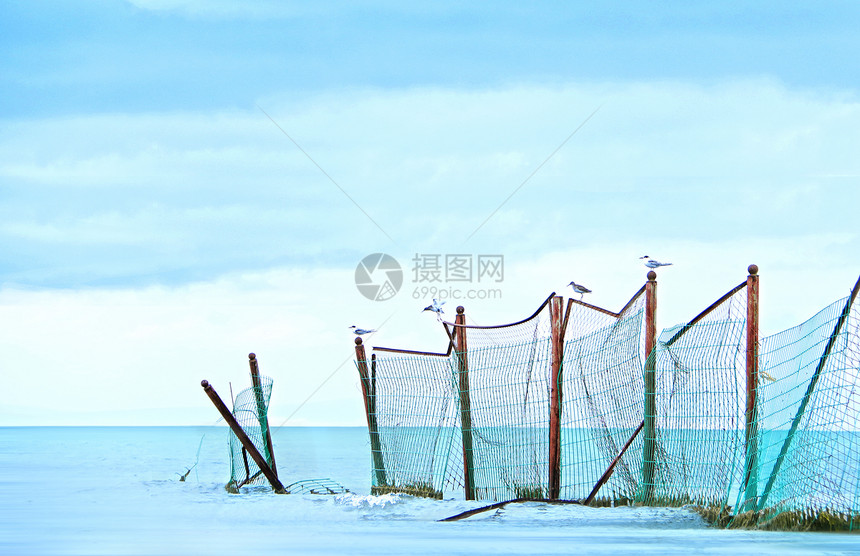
pixel 262 413
pixel 650 409
pixel 554 472
pixel 461 352
pixel 368 390
pixel 751 415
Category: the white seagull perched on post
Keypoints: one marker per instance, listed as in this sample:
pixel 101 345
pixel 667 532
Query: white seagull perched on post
pixel 651 263
pixel 579 288
pixel 360 331
pixel 435 308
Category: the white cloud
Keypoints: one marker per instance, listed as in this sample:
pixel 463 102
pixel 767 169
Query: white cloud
pixel 710 177
pixel 137 355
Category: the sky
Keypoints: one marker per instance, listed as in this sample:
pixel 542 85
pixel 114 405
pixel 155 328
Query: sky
pixel 184 182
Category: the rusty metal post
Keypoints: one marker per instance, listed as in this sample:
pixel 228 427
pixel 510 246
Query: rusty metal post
pixel 554 473
pixel 368 390
pixel 751 413
pixel 461 352
pixel 262 412
pixel 243 438
pixel 650 379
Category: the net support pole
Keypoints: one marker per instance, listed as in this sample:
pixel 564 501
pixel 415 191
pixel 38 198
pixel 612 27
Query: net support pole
pixel 243 438
pixel 751 413
pixel 554 472
pixel 650 379
pixel 262 412
pixel 808 395
pixel 461 351
pixel 368 391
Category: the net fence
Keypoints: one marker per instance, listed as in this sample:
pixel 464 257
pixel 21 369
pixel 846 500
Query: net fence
pixel 477 419
pixel 504 406
pixel 669 429
pixel 413 402
pixel 602 398
pixel 809 422
pixel 250 410
pixel 697 452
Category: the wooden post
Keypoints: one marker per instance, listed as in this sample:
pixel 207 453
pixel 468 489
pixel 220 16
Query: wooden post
pixel 650 408
pixel 461 351
pixel 243 438
pixel 262 412
pixel 554 487
pixel 751 414
pixel 368 390
pixel 611 468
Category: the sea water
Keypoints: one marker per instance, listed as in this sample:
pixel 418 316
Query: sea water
pixel 117 490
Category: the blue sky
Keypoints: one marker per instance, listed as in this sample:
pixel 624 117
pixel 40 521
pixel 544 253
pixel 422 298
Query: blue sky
pixel 156 210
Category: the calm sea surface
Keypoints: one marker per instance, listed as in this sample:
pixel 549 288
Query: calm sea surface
pixel 116 490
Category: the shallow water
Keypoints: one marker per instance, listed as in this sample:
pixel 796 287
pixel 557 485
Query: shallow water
pixel 116 490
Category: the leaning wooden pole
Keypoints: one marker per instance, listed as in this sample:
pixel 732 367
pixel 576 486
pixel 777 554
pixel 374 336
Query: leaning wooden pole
pixel 243 438
pixel 554 487
pixel 649 446
pixel 808 395
pixel 611 468
pixel 368 390
pixel 262 411
pixel 751 413
pixel 461 352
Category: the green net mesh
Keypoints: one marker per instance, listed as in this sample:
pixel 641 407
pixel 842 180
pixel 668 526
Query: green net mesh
pixel 602 399
pixel 795 463
pixel 508 393
pixel 809 418
pixel 250 410
pixel 699 442
pixel 414 406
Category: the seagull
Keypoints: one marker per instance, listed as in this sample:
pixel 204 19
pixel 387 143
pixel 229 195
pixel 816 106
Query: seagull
pixel 436 308
pixel 651 263
pixel 361 331
pixel 579 288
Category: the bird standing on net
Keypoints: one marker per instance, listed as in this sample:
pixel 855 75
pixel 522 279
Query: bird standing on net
pixel 361 331
pixel 651 263
pixel 436 307
pixel 580 289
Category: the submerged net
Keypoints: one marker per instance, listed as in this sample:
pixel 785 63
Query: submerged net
pixel 809 421
pixel 697 452
pixel 601 382
pixel 250 410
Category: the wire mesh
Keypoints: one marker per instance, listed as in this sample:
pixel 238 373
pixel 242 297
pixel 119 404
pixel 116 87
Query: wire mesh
pixel 251 416
pixel 699 411
pixel 414 403
pixel 809 418
pixel 602 399
pixel 508 397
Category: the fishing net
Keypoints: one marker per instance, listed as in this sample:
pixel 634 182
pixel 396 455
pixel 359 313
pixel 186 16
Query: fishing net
pixel 601 385
pixel 504 407
pixel 809 418
pixel 412 402
pixel 697 451
pixel 250 411
pixel 479 417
